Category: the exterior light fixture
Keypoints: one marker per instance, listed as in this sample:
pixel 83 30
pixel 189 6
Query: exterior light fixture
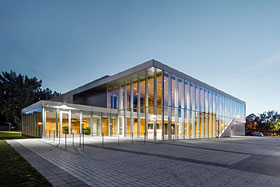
pixel 153 117
pixel 64 107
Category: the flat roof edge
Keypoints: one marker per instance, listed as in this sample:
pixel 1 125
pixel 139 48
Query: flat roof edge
pixel 32 106
pixel 175 72
pixel 70 106
pixel 143 66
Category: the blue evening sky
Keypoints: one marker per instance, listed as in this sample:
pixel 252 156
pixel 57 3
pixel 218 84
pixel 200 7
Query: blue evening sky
pixel 233 45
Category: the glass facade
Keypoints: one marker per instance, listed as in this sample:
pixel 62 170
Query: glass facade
pixel 52 121
pixel 163 106
pixel 154 104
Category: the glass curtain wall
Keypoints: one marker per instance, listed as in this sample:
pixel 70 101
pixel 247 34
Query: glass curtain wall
pixel 141 112
pixel 161 105
pixel 205 113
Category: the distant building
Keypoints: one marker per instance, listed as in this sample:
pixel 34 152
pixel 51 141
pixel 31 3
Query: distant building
pixel 151 100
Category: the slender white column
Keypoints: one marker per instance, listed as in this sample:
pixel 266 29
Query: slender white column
pixel 169 106
pixel 214 115
pixel 81 122
pixel 193 110
pixel 121 110
pixel 125 111
pixel 207 114
pixel 69 122
pixel 202 104
pixel 146 106
pixel 100 124
pixel 198 110
pixel 176 107
pixel 162 105
pixel 44 121
pixel 188 110
pixel 211 112
pixel 221 114
pixel 155 104
pixel 131 107
pixel 138 107
pixel 56 123
pixel 182 123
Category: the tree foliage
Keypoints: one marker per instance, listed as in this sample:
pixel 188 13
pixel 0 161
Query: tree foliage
pixel 267 121
pixel 17 92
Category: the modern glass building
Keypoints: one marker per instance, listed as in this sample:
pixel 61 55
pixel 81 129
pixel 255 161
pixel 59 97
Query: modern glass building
pixel 150 100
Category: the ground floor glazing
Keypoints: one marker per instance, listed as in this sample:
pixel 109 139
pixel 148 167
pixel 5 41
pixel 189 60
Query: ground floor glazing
pixel 43 121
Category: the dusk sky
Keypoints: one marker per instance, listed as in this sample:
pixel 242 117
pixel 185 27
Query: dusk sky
pixel 231 45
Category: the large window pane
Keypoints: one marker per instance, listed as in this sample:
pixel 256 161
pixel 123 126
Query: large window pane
pixel 151 94
pixel 142 95
pixel 166 76
pixel 50 121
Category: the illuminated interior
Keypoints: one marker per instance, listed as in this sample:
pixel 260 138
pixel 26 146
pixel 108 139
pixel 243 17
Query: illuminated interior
pixel 153 104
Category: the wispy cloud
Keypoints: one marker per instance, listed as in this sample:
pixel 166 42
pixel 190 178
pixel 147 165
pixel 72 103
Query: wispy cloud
pixel 272 60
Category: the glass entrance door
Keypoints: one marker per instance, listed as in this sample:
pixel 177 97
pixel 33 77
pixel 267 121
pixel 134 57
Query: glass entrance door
pixel 64 123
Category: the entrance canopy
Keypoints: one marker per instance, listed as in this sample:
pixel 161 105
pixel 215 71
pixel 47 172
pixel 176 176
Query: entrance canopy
pixel 51 117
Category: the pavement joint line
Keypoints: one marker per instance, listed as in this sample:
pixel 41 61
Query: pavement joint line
pixel 159 155
pixel 170 142
pixel 163 143
pixel 164 156
pixel 212 149
pixel 230 142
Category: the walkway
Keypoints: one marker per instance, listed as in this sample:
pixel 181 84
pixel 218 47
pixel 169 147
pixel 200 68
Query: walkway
pixel 242 161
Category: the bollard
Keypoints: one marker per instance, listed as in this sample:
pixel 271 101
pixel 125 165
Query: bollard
pixel 73 141
pixel 49 135
pixel 65 141
pixel 59 138
pixel 132 138
pixel 144 137
pixel 118 139
pixel 102 139
pixel 83 140
pixel 54 135
pixel 80 145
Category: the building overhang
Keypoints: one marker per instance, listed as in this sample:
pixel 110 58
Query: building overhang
pixel 68 106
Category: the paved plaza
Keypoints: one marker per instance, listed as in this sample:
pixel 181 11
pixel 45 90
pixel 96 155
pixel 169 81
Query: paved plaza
pixel 237 161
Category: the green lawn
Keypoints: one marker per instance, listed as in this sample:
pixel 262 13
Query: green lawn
pixel 10 135
pixel 15 170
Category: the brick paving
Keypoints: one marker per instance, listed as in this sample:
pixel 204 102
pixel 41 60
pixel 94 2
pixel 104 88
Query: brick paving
pixel 56 175
pixel 200 162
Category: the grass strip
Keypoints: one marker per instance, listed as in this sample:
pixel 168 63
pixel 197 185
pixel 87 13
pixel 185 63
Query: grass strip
pixel 16 171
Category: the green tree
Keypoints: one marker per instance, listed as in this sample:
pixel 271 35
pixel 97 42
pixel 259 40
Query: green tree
pixel 267 121
pixel 17 92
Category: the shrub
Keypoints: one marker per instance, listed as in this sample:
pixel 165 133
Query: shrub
pixel 87 130
pixel 66 129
